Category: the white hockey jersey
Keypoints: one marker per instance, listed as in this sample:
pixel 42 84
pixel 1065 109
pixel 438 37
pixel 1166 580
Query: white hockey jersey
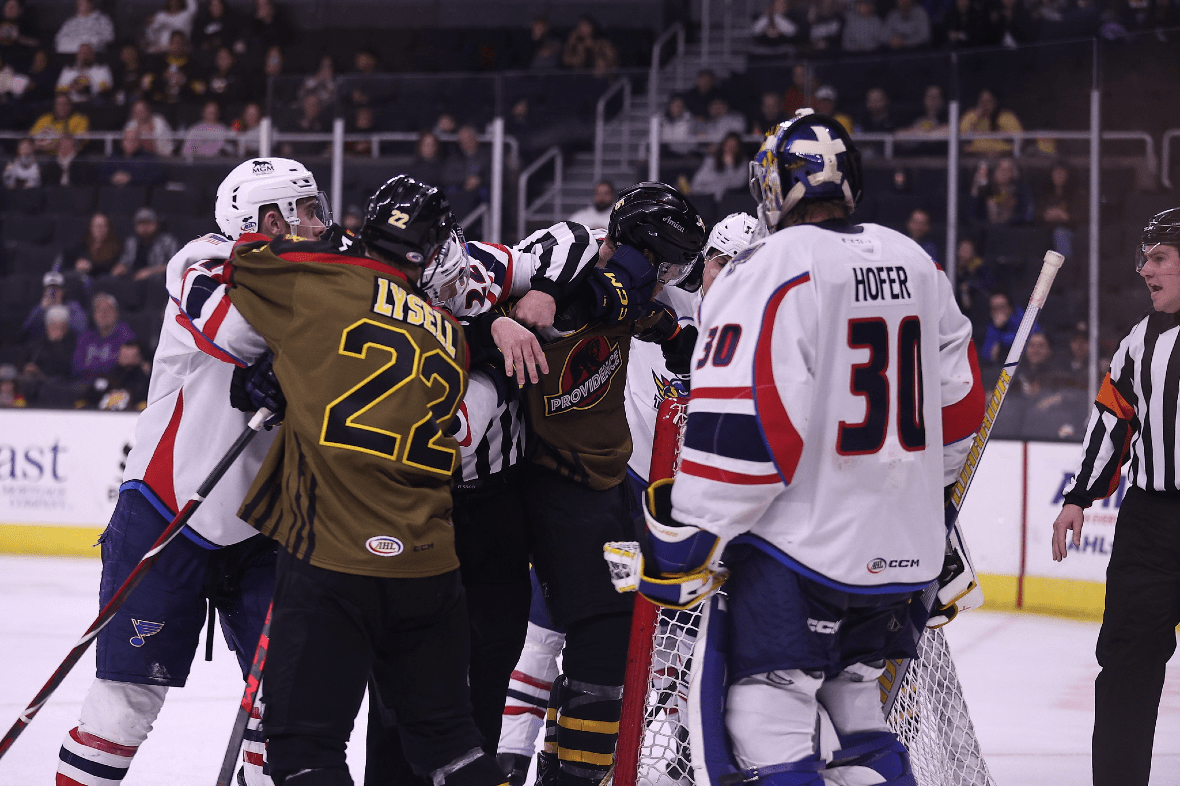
pixel 649 382
pixel 188 424
pixel 834 393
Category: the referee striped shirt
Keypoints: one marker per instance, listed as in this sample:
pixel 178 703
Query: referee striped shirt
pixel 1135 416
pixel 563 256
pixel 490 433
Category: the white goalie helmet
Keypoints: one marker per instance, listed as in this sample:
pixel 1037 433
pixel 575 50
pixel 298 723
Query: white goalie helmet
pixel 730 235
pixel 265 181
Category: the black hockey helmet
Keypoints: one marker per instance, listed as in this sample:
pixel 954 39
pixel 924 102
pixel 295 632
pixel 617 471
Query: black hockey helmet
pixel 656 217
pixel 1163 228
pixel 408 220
pixel 810 156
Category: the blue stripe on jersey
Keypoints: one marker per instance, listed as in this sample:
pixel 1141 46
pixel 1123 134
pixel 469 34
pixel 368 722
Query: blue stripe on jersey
pixel 147 493
pixel 728 434
pixel 770 549
pixel 199 293
pixel 92 767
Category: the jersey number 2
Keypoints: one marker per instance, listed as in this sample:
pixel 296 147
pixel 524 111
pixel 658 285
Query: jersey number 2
pixel 869 380
pixel 407 363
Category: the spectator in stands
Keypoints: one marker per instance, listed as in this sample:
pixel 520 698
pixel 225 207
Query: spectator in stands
pixel 465 173
pixel 1012 23
pixel 578 51
pixel 176 78
pixel 427 166
pixel 48 357
pixel 445 124
pixel 907 26
pixel 775 32
pixel 322 83
pixel 122 389
pixel 917 226
pixel 10 392
pixel 703 91
pixel 61 171
pixel 362 123
pixel 604 58
pixel 98 252
pixel 825 27
pixel 268 29
pixel 1001 329
pixel 544 48
pixel 225 83
pixel 134 166
pixel 973 281
pixel 1075 369
pixel 311 121
pixel 176 17
pixel 130 77
pixel 728 168
pixel 209 137
pixel 967 24
pixel 51 126
pixel 23 171
pixel 825 104
pixel 770 113
pixel 800 92
pixel 1001 197
pixel 16 34
pixel 877 116
pixel 87 25
pixel 248 128
pixel 12 84
pixel 597 215
pixel 864 31
pixel 364 65
pixel 1061 206
pixel 354 216
pixel 1039 370
pixel 42 78
pixel 933 120
pixel 678 129
pixel 52 294
pixel 98 346
pixel 987 116
pixel 720 122
pixel 152 130
pixel 272 63
pixel 216 26
pixel 85 80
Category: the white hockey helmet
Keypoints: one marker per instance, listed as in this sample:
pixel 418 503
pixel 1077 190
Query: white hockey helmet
pixel 730 235
pixel 264 181
pixel 448 274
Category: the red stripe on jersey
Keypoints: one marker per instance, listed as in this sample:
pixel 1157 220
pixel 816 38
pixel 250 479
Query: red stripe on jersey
pixel 963 418
pixel 723 393
pixel 66 780
pixel 786 446
pixel 204 344
pixel 250 757
pixel 99 744
pixel 158 475
pixel 338 259
pixel 213 323
pixel 513 710
pixel 726 475
pixel 528 679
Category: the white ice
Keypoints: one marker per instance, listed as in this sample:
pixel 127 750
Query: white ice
pixel 1028 681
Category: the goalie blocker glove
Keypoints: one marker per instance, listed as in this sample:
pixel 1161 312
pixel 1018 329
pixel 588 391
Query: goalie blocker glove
pixel 685 565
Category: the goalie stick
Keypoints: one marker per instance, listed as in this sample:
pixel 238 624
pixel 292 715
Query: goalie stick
pixel 895 670
pixel 137 574
pixel 246 707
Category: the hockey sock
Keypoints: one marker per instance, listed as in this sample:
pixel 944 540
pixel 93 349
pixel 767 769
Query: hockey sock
pixel 547 758
pixel 115 720
pixel 87 760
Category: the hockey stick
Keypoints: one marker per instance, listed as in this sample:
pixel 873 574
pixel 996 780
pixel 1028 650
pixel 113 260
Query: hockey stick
pixel 247 705
pixel 896 669
pixel 137 574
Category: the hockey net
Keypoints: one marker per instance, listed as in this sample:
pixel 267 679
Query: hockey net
pixel 928 711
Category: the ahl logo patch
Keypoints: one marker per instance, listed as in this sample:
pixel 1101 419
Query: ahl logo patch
pixel 877 564
pixel 384 546
pixel 585 380
pixel 143 629
pixel 263 168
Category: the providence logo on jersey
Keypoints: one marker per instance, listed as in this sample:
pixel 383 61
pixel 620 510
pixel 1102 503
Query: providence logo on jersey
pixel 384 546
pixel 589 368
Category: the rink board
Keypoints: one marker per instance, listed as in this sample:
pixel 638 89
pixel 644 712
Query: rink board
pixel 60 475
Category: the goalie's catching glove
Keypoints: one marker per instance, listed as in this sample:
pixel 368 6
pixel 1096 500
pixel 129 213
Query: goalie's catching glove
pixel 686 560
pixel 958 588
pixel 255 386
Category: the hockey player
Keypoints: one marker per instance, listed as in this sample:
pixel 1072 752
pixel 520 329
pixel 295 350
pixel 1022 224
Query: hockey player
pixel 356 492
pixel 221 564
pixel 835 392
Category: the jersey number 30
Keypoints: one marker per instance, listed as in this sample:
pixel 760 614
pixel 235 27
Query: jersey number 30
pixel 869 380
pixel 407 365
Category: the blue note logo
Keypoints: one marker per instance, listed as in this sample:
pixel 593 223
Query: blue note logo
pixel 143 629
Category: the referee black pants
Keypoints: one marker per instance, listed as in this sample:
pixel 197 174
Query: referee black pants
pixel 1138 636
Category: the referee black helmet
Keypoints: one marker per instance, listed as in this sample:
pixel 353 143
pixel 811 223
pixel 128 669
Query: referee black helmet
pixel 1162 229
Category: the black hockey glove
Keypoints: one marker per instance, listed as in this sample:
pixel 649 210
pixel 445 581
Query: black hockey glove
pixel 659 325
pixel 254 387
pixel 624 286
pixel 678 351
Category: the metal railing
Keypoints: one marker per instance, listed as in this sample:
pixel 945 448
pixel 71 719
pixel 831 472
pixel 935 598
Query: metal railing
pixel 653 91
pixel 1166 156
pixel 623 85
pixel 480 216
pixel 526 209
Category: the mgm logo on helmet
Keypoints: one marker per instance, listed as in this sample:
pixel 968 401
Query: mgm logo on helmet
pixel 263 168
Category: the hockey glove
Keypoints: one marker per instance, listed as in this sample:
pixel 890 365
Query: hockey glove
pixel 958 588
pixel 678 351
pixel 623 287
pixel 658 326
pixel 254 387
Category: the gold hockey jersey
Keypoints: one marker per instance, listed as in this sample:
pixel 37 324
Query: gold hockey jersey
pixel 358 480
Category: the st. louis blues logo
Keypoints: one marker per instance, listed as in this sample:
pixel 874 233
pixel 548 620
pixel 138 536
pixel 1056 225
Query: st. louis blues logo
pixel 143 629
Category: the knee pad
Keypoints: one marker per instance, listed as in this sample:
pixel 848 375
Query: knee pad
pixel 853 699
pixel 473 768
pixel 875 757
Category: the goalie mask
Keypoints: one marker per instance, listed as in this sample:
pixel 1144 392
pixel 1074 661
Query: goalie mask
pixel 655 217
pixel 412 222
pixel 809 156
pixel 1162 229
pixel 449 276
pixel 258 182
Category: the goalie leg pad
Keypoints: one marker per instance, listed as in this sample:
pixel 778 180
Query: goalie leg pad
pixel 853 699
pixel 875 757
pixel 771 717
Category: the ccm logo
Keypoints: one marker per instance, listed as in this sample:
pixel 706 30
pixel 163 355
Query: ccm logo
pixel 879 564
pixel 822 626
pixel 384 546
